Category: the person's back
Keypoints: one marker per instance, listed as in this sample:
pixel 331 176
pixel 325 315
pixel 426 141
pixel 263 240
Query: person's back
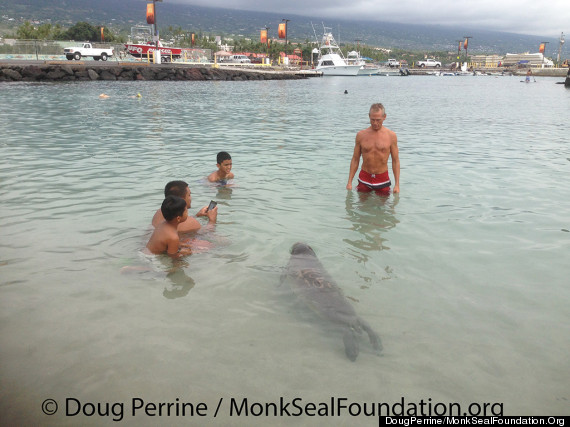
pixel 182 190
pixel 164 238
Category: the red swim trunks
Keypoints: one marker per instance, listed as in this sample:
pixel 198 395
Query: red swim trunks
pixel 380 183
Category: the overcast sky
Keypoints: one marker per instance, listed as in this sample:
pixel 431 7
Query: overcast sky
pixel 536 17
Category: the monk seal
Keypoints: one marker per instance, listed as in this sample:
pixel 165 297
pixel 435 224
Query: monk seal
pixel 312 283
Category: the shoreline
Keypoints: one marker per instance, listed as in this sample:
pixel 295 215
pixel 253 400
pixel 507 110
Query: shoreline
pixel 64 71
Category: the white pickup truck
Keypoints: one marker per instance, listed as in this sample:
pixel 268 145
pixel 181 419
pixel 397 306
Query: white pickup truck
pixel 430 62
pixel 393 62
pixel 87 50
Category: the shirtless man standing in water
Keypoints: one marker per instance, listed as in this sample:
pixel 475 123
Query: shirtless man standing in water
pixel 375 144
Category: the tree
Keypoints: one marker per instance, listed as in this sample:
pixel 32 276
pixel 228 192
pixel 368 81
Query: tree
pixel 83 31
pixel 26 31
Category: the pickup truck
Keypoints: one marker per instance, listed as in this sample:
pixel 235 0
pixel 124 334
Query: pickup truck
pixel 393 63
pixel 430 62
pixel 87 50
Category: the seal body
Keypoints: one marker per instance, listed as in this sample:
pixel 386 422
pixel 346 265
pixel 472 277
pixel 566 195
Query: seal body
pixel 316 288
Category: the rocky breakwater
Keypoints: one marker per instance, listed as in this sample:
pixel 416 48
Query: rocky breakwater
pixel 127 72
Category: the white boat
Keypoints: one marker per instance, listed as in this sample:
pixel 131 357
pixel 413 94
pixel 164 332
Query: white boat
pixel 354 58
pixel 384 70
pixel 331 60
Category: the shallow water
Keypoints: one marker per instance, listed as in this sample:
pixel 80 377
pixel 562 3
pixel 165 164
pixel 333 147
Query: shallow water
pixel 464 275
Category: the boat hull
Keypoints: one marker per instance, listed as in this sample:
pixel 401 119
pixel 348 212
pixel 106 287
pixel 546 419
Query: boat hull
pixel 339 70
pixel 144 50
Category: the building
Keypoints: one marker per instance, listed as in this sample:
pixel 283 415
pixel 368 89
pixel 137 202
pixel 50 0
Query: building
pixel 536 60
pixel 485 61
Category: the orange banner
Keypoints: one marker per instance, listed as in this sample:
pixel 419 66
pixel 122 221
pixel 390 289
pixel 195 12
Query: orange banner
pixel 541 48
pixel 102 35
pixel 193 39
pixel 282 31
pixel 459 48
pixel 465 44
pixel 150 13
pixel 263 36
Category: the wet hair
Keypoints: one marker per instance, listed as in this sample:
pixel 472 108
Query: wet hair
pixel 175 188
pixel 173 206
pixel 222 155
pixel 378 107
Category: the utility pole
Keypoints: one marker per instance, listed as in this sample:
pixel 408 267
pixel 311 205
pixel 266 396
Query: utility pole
pixel 465 46
pixel 157 56
pixel 286 31
pixel 458 51
pixel 560 49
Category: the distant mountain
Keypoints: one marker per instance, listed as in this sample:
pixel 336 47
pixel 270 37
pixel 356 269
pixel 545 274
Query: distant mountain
pixel 122 14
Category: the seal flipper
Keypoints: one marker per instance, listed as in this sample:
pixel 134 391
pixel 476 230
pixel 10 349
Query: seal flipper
pixel 350 344
pixel 373 336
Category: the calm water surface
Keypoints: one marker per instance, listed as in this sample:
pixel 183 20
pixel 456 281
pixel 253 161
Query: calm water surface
pixel 464 275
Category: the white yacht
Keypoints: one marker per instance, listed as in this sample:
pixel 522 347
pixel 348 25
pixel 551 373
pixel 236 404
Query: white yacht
pixel 331 60
pixel 354 57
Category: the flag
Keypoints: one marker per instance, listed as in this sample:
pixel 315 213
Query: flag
pixel 150 13
pixel 541 48
pixel 282 31
pixel 263 36
pixel 465 44
pixel 193 39
pixel 102 35
pixel 459 46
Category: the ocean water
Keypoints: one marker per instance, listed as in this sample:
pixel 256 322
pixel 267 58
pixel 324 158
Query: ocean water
pixel 464 274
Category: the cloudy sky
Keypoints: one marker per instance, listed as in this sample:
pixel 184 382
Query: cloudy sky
pixel 536 17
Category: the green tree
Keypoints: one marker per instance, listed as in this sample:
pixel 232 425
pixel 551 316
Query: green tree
pixel 26 31
pixel 83 31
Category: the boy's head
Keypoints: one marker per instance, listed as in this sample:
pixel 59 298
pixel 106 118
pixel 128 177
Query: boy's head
pixel 222 155
pixel 224 162
pixel 173 207
pixel 178 189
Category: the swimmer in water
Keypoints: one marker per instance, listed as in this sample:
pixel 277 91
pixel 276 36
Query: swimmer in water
pixel 224 172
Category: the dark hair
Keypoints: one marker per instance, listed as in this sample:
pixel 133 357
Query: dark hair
pixel 175 188
pixel 173 206
pixel 222 155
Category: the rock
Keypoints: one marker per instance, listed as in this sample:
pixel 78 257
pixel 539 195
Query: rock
pixel 11 74
pixel 92 74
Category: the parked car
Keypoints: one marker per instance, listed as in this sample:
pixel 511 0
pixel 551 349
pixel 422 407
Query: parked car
pixel 87 49
pixel 430 62
pixel 241 59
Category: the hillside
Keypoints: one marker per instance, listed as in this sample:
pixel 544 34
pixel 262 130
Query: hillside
pixel 121 15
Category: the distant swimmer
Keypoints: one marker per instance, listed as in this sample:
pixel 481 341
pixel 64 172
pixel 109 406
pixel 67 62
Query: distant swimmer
pixel 345 91
pixel 103 96
pixel 375 144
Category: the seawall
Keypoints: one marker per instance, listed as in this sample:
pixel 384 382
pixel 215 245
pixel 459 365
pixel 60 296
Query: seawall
pixel 91 71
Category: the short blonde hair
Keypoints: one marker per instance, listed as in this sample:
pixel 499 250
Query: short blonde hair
pixel 377 107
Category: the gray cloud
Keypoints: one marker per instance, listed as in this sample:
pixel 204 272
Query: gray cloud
pixel 546 18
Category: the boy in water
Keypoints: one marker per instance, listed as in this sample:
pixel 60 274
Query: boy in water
pixel 224 172
pixel 181 189
pixel 165 237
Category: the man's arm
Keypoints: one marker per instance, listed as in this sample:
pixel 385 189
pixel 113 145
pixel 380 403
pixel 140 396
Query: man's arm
pixel 395 163
pixel 354 162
